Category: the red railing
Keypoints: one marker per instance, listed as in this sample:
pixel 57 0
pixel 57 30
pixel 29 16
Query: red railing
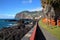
pixel 37 34
pixel 33 34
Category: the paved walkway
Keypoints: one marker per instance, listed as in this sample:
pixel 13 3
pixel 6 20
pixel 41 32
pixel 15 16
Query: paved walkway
pixel 47 35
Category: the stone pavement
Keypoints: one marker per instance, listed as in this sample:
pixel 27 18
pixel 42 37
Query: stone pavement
pixel 47 35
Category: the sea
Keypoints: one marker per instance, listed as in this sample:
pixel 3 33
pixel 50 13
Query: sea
pixel 5 24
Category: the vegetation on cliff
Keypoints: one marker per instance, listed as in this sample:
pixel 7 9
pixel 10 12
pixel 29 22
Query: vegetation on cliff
pixel 25 14
pixel 51 9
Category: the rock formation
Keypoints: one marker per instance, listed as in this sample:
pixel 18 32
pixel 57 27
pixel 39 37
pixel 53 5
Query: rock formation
pixel 15 32
pixel 51 9
pixel 27 14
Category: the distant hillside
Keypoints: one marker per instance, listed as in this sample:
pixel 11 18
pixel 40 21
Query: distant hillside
pixel 28 14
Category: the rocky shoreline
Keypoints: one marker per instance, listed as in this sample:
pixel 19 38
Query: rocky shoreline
pixel 15 32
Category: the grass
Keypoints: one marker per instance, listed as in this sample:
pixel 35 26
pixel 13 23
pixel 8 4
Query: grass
pixel 55 31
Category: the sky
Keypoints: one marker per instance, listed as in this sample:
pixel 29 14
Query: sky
pixel 9 8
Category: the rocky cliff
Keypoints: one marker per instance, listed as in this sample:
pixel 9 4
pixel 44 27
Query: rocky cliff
pixel 27 14
pixel 51 9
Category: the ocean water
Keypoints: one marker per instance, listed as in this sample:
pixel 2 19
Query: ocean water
pixel 5 24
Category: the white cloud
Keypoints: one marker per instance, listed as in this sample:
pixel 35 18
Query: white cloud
pixel 5 16
pixel 36 9
pixel 30 1
pixel 26 1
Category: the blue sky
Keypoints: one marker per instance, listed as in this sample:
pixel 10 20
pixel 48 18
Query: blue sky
pixel 9 8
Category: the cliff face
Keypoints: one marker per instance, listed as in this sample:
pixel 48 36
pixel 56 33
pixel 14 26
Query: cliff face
pixel 55 4
pixel 27 14
pixel 51 9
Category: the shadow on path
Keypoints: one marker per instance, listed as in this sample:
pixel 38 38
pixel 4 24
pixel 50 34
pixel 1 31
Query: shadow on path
pixel 39 35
